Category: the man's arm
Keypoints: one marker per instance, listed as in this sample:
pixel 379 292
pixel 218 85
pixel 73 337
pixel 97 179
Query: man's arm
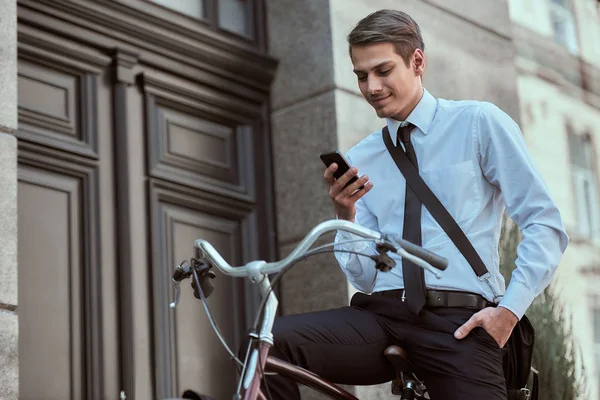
pixel 360 270
pixel 508 165
pixel 349 206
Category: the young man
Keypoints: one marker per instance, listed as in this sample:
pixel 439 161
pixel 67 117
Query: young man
pixel 473 157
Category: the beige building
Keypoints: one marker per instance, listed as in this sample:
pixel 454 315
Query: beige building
pixel 558 65
pixel 145 124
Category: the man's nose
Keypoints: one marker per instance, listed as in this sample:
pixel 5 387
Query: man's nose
pixel 373 85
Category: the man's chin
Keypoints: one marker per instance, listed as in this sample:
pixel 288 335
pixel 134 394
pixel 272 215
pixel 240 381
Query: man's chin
pixel 381 112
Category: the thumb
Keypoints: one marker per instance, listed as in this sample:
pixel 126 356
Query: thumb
pixel 467 327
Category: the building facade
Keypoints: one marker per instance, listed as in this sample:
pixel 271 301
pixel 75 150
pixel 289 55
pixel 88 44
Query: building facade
pixel 558 65
pixel 145 124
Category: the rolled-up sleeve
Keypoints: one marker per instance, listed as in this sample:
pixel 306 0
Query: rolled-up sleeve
pixel 507 164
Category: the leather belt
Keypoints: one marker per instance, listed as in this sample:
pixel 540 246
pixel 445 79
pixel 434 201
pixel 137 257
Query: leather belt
pixel 444 298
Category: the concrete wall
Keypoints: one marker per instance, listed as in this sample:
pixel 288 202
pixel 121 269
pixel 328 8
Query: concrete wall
pixel 9 381
pixel 303 126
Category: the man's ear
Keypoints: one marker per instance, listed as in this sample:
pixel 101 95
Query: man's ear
pixel 418 62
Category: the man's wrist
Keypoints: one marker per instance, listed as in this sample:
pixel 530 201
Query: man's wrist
pixel 345 218
pixel 508 315
pixel 517 298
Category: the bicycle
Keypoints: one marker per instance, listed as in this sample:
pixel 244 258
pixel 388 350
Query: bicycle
pixel 257 362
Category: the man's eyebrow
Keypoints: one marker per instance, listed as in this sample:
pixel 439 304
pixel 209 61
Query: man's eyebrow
pixel 356 71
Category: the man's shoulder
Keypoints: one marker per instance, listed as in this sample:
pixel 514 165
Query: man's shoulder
pixel 367 144
pixel 475 108
pixel 472 106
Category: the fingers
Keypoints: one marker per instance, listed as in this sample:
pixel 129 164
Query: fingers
pixel 358 184
pixel 358 193
pixel 468 326
pixel 346 196
pixel 342 180
pixel 329 171
pixel 346 190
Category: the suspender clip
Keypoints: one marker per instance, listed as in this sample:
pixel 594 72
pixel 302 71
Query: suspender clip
pixel 486 278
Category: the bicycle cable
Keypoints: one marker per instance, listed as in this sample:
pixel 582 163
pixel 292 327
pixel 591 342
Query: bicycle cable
pixel 326 248
pixel 211 320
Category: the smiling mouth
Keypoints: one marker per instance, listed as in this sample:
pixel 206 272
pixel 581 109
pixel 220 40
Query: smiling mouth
pixel 379 100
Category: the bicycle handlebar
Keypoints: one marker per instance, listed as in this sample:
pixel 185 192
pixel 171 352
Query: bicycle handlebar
pixel 421 257
pixel 436 261
pixel 206 256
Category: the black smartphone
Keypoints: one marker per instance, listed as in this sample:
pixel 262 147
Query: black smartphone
pixel 343 165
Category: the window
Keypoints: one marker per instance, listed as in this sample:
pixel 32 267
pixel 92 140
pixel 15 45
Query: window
pixel 234 16
pixel 191 8
pixel 563 24
pixel 583 173
pixel 230 15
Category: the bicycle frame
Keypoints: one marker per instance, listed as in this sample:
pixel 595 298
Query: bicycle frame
pixel 261 361
pixel 305 377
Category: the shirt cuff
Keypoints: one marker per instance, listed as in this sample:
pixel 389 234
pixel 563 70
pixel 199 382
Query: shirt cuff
pixel 517 299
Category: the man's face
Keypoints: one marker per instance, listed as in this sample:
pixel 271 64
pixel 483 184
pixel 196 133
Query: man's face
pixel 392 88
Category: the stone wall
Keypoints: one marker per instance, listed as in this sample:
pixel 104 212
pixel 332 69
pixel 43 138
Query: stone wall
pixel 9 366
pixel 304 125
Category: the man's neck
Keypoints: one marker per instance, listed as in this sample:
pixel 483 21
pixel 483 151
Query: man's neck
pixel 411 106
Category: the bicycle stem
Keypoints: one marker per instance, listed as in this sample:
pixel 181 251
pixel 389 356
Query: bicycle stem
pixel 252 377
pixel 265 334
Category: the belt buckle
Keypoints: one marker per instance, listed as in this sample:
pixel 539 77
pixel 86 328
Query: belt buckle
pixel 403 295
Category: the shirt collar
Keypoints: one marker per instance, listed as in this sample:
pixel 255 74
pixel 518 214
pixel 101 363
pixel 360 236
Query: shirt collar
pixel 421 116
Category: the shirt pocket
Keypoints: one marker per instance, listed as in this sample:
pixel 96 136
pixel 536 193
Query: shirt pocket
pixel 458 187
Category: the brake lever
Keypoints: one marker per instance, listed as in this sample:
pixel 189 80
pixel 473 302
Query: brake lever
pixel 178 275
pixel 177 287
pixel 383 262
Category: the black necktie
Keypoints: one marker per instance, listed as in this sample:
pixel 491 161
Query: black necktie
pixel 414 281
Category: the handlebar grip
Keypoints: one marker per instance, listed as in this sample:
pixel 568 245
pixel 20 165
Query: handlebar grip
pixel 436 261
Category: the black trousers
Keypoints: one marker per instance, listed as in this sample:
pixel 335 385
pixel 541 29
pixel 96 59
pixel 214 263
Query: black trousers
pixel 346 345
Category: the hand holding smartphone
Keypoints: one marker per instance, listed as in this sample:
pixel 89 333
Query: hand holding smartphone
pixel 342 163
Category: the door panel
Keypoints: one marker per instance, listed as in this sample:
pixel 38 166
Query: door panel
pixel 57 105
pixel 199 140
pixel 50 309
pixel 192 355
pixel 62 329
pixel 196 144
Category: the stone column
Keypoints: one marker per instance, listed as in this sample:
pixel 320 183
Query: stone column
pixel 9 366
pixel 303 126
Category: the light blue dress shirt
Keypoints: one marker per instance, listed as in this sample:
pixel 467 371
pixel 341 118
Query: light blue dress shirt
pixel 473 157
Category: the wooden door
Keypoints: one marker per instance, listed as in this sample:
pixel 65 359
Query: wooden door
pixel 131 147
pixel 68 317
